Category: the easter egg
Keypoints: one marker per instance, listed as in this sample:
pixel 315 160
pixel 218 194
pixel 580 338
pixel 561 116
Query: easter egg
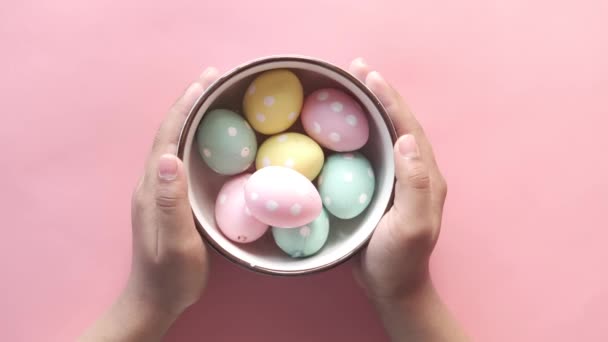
pixel 226 142
pixel 282 197
pixel 335 120
pixel 346 184
pixel 273 101
pixel 293 150
pixel 305 240
pixel 231 214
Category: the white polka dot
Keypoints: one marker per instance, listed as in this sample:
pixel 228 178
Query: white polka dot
pixel 251 90
pixel 336 106
pixel 292 115
pixel 370 172
pixel 245 152
pixel 282 137
pixel 305 231
pixel 254 196
pixel 247 212
pixel 247 125
pixel 207 152
pixel 351 120
pixel 232 131
pixel 348 177
pixel 260 117
pixel 223 198
pixel 349 156
pixel 268 101
pixel 327 221
pixel 335 137
pixel 327 200
pixel 362 198
pixel 322 96
pixel 246 167
pixel 316 127
pixel 320 179
pixel 272 205
pixel 266 161
pixel 295 209
pixel 289 163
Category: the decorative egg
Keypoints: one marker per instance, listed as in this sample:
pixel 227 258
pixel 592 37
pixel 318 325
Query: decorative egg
pixel 305 240
pixel 273 101
pixel 231 214
pixel 282 197
pixel 293 150
pixel 226 142
pixel 335 120
pixel 346 184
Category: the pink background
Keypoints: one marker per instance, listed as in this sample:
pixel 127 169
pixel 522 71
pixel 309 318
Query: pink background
pixel 513 94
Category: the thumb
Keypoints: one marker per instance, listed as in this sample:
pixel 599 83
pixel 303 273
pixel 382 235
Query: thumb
pixel 173 214
pixel 412 205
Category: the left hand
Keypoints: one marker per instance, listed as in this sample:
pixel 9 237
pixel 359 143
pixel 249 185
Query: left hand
pixel 170 266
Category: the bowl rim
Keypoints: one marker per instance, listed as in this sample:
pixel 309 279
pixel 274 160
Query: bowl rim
pixel 251 64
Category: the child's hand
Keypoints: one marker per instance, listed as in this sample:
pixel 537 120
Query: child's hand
pixel 394 267
pixel 169 265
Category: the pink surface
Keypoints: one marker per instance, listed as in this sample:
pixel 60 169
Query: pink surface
pixel 513 94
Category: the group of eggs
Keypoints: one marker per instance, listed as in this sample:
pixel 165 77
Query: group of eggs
pixel 280 194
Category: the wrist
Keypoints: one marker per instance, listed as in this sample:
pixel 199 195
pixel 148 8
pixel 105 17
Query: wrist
pixel 415 295
pixel 142 303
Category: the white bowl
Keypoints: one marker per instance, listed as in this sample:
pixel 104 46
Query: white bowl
pixel 346 237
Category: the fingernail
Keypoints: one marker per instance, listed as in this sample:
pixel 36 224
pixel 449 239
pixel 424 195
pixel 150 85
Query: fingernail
pixel 167 167
pixel 207 72
pixel 408 147
pixel 377 75
pixel 361 61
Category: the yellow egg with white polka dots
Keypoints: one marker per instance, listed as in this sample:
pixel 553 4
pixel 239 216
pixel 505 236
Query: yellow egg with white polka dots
pixel 273 101
pixel 293 150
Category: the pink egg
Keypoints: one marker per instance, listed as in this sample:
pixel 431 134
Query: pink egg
pixel 282 197
pixel 231 213
pixel 335 120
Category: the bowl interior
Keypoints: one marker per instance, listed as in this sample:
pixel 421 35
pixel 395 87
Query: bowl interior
pixel 346 236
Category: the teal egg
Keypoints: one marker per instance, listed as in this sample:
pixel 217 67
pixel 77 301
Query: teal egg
pixel 346 184
pixel 226 142
pixel 305 240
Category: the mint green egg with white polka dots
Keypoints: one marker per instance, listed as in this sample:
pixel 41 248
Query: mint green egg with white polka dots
pixel 226 142
pixel 305 240
pixel 346 184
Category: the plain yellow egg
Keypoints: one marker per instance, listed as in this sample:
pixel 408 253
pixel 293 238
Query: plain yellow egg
pixel 293 150
pixel 273 101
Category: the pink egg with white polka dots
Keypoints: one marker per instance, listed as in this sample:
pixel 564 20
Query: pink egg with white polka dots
pixel 282 197
pixel 335 120
pixel 231 213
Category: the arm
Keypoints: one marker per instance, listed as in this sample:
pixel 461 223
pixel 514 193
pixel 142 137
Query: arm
pixel 169 265
pixel 419 316
pixel 394 268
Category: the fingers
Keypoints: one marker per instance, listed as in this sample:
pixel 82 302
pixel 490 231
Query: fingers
pixel 359 69
pixel 161 209
pixel 413 196
pixel 173 215
pixel 400 114
pixel 169 131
